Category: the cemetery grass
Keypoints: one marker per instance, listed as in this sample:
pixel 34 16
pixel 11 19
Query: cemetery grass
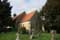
pixel 12 36
pixel 8 36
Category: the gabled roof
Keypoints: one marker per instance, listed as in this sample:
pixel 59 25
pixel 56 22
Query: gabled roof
pixel 19 16
pixel 24 17
pixel 27 17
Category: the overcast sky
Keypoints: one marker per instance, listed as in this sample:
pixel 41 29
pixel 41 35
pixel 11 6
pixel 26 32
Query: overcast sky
pixel 26 5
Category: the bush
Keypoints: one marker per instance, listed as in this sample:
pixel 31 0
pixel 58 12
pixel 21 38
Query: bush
pixel 23 30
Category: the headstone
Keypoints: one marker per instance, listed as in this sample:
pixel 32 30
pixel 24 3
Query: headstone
pixel 17 36
pixel 31 34
pixel 53 33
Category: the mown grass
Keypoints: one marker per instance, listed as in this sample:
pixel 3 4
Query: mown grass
pixel 45 36
pixel 8 36
pixel 57 36
pixel 12 36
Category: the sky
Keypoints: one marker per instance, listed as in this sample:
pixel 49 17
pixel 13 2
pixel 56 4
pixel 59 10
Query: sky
pixel 26 5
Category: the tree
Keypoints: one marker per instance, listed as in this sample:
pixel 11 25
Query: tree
pixel 14 14
pixel 51 12
pixel 5 13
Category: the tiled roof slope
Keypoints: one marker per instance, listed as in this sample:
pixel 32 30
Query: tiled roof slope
pixel 27 17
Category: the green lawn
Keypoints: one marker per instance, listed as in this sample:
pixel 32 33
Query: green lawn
pixel 12 36
pixel 57 37
pixel 8 36
pixel 45 36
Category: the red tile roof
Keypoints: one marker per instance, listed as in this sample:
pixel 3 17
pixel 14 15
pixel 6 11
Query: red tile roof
pixel 24 17
pixel 19 16
pixel 27 17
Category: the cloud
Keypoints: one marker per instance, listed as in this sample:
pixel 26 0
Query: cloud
pixel 26 5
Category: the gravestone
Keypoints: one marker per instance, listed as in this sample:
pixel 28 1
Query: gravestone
pixel 53 33
pixel 17 36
